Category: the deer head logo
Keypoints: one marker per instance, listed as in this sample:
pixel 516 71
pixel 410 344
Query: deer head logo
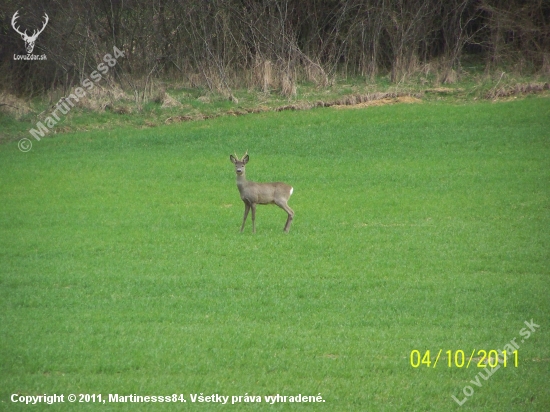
pixel 29 40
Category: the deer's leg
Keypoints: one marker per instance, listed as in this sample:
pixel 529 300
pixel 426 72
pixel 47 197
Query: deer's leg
pixel 253 206
pixel 246 209
pixel 289 219
pixel 290 212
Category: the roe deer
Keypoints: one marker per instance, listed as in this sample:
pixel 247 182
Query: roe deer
pixel 253 193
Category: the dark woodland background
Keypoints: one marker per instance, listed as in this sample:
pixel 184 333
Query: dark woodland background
pixel 226 44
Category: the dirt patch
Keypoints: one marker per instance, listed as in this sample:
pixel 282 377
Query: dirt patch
pixel 357 101
pixel 380 102
pixel 518 89
pixel 444 90
pixel 346 102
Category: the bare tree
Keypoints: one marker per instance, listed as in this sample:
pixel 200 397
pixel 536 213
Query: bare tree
pixel 269 44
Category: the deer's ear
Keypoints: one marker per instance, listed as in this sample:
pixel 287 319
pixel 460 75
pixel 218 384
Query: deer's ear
pixel 232 158
pixel 245 159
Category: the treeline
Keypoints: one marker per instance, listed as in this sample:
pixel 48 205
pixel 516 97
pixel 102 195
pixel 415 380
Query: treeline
pixel 268 44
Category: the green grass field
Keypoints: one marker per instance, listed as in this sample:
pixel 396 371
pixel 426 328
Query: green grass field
pixel 418 227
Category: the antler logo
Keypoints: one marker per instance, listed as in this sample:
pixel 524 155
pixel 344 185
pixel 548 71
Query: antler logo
pixel 29 40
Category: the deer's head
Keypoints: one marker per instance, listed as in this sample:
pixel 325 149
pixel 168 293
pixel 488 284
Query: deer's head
pixel 29 40
pixel 239 164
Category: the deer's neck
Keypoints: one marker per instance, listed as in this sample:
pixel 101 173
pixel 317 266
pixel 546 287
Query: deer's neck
pixel 241 180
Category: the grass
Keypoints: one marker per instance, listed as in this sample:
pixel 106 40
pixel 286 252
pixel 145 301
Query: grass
pixel 421 226
pixel 109 107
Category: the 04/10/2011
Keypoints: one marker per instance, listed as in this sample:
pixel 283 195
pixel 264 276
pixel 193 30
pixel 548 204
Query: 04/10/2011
pixel 459 359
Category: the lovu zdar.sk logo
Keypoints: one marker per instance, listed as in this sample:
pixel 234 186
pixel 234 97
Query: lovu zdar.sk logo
pixel 29 40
